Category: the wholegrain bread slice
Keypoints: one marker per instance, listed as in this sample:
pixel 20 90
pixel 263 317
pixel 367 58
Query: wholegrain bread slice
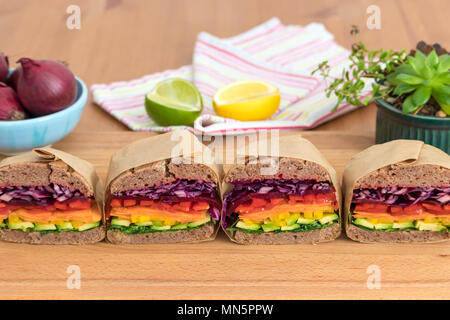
pixel 367 236
pixel 288 168
pixel 66 237
pixel 305 237
pixel 160 172
pixel 404 163
pixel 180 236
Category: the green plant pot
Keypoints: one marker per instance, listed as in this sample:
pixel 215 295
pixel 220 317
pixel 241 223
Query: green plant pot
pixel 393 124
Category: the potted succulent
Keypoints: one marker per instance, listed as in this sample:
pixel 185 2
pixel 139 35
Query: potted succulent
pixel 411 91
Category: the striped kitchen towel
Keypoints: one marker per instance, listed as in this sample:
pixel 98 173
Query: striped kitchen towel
pixel 283 55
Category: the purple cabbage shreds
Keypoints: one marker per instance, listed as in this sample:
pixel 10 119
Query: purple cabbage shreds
pixel 182 188
pixel 402 196
pixel 38 195
pixel 269 188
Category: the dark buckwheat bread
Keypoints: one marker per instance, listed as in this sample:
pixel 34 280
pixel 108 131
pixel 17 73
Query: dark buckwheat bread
pixel 161 172
pixel 423 175
pixel 200 234
pixel 288 168
pixel 305 237
pixel 44 173
pixel 366 236
pixel 66 237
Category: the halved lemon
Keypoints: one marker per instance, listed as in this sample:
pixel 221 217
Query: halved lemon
pixel 247 100
pixel 174 101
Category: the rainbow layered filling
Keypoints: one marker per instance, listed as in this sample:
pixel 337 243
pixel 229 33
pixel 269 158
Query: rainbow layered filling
pixel 401 208
pixel 280 205
pixel 50 208
pixel 179 205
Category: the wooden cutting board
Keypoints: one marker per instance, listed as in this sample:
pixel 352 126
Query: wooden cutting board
pixel 221 269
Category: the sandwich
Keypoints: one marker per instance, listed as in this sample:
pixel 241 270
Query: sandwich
pixel 298 202
pixel 398 191
pixel 156 195
pixel 49 197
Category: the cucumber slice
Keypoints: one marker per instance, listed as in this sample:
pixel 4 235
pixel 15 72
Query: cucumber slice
pixel 364 223
pixel 270 227
pixel 253 227
pixel 144 224
pixel 180 226
pixel 291 227
pixel 383 226
pixel 120 222
pixel 403 225
pixel 88 226
pixel 423 226
pixel 160 228
pixel 305 221
pixel 21 226
pixel 44 226
pixel 329 218
pixel 65 226
pixel 157 223
pixel 199 223
pixel 291 221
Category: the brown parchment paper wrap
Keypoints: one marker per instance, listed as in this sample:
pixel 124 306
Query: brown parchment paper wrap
pixel 291 146
pixel 181 143
pixel 405 152
pixel 82 167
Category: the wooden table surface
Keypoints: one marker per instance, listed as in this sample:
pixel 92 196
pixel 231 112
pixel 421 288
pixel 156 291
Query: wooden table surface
pixel 122 40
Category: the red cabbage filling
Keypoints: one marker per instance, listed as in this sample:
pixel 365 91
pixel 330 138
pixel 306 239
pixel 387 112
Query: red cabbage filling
pixel 402 196
pixel 177 191
pixel 39 195
pixel 244 191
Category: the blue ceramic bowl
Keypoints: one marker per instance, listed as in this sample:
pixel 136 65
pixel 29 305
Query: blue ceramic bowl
pixel 24 135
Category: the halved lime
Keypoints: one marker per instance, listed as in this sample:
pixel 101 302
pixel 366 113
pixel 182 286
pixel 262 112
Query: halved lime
pixel 174 102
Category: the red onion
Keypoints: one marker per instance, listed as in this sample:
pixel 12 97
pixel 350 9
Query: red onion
pixel 10 108
pixel 45 86
pixel 4 67
pixel 14 78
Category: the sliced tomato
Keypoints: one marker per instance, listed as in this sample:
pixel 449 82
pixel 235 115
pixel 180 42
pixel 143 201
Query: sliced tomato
pixel 116 203
pixel 309 198
pixel 396 211
pixel 446 207
pixel 434 207
pixel 129 203
pixel 2 205
pixel 416 208
pixel 182 206
pixel 146 203
pixel 80 204
pixel 296 198
pixel 325 197
pixel 60 205
pixel 259 202
pixel 275 201
pixel 200 206
pixel 371 207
